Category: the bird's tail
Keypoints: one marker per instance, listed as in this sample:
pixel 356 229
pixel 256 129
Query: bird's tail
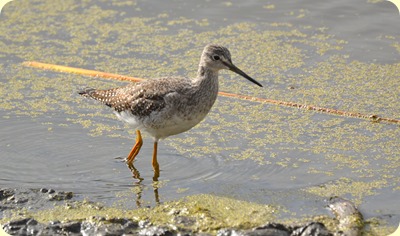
pixel 86 92
pixel 104 96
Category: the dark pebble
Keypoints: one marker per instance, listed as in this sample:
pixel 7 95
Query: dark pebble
pixel 131 225
pixel 73 227
pixel 22 227
pixel 5 193
pixel 155 231
pixel 43 190
pixel 269 230
pixel 60 196
pixel 11 198
pixel 26 221
pixel 314 228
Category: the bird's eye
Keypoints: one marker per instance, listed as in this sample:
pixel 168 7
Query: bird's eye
pixel 216 57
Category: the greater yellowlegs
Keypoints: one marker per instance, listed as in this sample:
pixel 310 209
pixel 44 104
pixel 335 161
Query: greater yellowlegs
pixel 171 105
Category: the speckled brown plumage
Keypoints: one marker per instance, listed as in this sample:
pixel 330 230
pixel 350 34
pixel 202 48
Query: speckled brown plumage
pixel 172 105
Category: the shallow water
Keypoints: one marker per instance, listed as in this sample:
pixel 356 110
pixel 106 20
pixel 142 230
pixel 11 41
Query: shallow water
pixel 342 55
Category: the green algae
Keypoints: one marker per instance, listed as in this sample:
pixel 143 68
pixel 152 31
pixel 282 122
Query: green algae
pixel 343 186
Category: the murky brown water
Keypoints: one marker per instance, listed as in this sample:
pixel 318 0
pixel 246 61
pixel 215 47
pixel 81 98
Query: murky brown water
pixel 343 55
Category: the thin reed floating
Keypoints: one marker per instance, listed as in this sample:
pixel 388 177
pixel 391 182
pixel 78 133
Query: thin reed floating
pixel 99 74
pixel 74 70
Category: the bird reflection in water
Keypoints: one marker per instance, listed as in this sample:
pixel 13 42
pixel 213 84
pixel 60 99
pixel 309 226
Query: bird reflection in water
pixel 141 186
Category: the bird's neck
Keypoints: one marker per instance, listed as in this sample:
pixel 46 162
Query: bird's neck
pixel 207 79
pixel 206 86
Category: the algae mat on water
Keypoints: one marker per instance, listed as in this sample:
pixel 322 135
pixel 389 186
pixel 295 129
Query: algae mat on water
pixel 296 63
pixel 278 54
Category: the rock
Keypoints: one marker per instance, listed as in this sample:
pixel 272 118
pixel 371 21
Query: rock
pixel 6 193
pixel 271 229
pixel 43 190
pixel 25 226
pixel 314 228
pixel 155 231
pixel 60 196
pixel 114 226
pixel 22 222
pixel 71 227
pixel 351 222
pixel 32 198
pixel 11 198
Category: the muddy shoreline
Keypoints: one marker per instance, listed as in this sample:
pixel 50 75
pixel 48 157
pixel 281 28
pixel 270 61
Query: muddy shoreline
pixel 22 212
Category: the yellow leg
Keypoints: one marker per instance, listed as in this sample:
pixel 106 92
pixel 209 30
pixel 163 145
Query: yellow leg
pixel 156 167
pixel 135 150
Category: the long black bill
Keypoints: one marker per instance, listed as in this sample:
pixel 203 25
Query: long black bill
pixel 233 68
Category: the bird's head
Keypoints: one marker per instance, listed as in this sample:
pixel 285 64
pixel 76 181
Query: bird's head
pixel 217 58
